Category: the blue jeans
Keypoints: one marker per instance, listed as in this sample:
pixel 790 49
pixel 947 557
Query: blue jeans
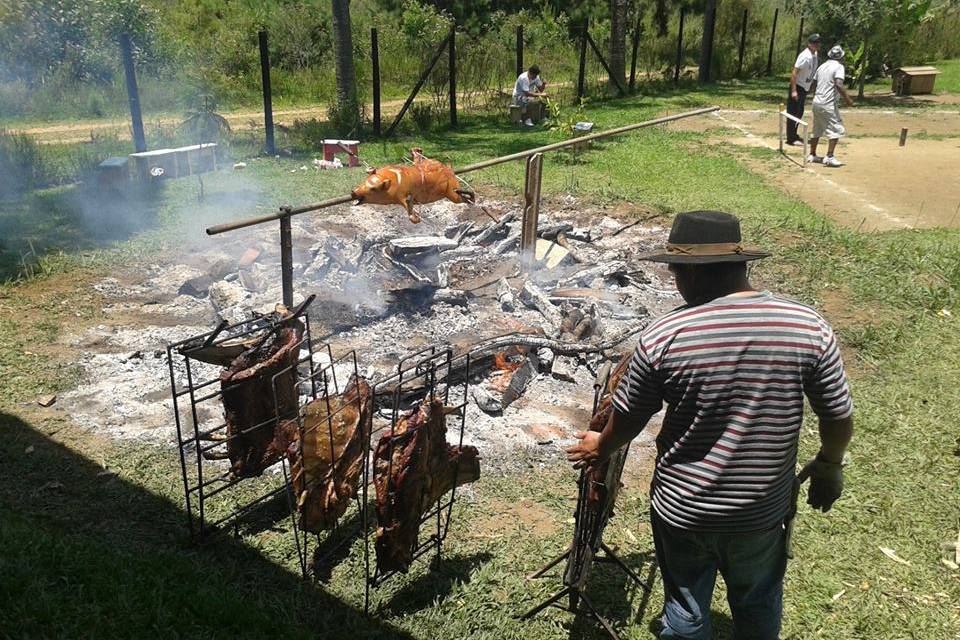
pixel 752 566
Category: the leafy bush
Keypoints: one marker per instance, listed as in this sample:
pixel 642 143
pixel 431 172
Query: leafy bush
pixel 21 164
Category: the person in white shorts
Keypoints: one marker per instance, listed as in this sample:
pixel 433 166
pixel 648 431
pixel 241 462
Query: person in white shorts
pixel 826 110
pixel 529 88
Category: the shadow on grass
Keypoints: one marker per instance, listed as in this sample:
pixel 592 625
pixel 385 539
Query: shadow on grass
pixel 85 554
pixel 435 584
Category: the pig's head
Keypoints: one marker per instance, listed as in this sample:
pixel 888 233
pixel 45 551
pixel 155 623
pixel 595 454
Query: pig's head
pixel 373 190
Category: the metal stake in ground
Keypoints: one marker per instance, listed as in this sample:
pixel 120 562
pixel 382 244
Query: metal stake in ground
pixel 269 144
pixel 286 260
pixel 531 210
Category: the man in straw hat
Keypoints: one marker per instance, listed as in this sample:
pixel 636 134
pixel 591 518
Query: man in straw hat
pixel 733 366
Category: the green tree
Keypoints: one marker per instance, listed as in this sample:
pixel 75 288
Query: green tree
pixel 347 113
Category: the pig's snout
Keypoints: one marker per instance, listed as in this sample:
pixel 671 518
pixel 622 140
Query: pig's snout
pixel 357 196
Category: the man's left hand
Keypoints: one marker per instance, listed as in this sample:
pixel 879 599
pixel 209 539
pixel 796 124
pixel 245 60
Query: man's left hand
pixel 587 452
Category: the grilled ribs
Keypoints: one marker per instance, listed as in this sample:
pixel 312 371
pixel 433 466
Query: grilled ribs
pixel 599 489
pixel 327 455
pixel 247 387
pixel 413 468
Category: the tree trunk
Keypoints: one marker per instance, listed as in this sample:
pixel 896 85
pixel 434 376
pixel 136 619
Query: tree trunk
pixel 618 41
pixel 706 44
pixel 348 110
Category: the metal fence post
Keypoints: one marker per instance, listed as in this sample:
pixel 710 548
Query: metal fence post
pixel 743 44
pixel 519 49
pixel 269 142
pixel 800 36
pixel 133 93
pixel 531 210
pixel 375 62
pixel 583 61
pixel 452 72
pixel 773 36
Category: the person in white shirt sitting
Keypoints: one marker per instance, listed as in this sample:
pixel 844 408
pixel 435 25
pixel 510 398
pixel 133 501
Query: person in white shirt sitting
pixel 804 70
pixel 527 92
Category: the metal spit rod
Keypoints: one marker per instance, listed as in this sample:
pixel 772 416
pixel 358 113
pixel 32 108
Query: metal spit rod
pixel 292 211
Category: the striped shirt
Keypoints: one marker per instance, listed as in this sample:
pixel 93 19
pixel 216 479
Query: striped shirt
pixel 733 373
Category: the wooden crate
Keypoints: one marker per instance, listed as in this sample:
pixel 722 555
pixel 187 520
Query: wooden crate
pixel 911 81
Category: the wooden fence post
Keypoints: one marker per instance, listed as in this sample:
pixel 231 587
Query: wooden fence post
pixel 269 143
pixel 743 44
pixel 452 72
pixel 705 73
pixel 773 35
pixel 676 73
pixel 375 62
pixel 133 93
pixel 519 49
pixel 583 61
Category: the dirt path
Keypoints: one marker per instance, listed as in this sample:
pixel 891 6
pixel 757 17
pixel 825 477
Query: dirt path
pixel 883 186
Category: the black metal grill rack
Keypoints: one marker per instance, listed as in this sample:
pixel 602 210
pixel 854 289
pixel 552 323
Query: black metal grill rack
pixel 587 544
pixel 214 498
pixel 431 372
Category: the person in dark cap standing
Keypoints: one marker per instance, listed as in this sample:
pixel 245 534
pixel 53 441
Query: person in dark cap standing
pixel 801 78
pixel 733 366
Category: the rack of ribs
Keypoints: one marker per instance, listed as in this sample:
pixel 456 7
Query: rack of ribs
pixel 600 475
pixel 327 455
pixel 247 389
pixel 413 468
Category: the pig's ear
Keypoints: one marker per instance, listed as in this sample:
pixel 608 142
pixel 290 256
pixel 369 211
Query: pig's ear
pixel 371 170
pixel 384 185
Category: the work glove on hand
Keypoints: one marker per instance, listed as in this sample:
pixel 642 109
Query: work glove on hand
pixel 826 482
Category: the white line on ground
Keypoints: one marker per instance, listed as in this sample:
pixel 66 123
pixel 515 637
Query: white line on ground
pixel 891 218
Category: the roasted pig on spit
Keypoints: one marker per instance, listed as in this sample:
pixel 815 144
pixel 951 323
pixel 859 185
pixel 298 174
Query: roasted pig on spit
pixel 413 468
pixel 247 387
pixel 422 182
pixel 327 455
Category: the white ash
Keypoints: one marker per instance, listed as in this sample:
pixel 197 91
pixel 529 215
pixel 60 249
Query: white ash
pixel 129 397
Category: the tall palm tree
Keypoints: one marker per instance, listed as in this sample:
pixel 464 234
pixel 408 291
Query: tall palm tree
pixel 706 44
pixel 618 40
pixel 348 109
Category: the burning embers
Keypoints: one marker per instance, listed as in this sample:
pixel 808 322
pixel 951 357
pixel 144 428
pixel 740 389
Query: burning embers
pixel 413 468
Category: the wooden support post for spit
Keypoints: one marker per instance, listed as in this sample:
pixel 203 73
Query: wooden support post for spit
pixel 676 72
pixel 519 49
pixel 375 63
pixel 269 141
pixel 286 260
pixel 531 210
pixel 743 44
pixel 133 93
pixel 903 136
pixel 773 37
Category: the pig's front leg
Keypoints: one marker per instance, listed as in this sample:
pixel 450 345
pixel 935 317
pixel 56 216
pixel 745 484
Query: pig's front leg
pixel 414 216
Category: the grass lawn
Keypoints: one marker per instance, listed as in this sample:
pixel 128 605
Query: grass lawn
pixel 94 535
